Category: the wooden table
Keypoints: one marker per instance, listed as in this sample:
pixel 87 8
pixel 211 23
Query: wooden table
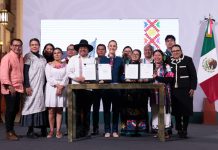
pixel 72 103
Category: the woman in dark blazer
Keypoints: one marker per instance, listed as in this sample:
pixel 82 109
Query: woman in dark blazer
pixel 183 89
pixel 112 97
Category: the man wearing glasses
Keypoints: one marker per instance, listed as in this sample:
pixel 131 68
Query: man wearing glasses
pixel 70 53
pixel 12 84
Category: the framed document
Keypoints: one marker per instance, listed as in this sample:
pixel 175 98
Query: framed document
pixel 131 71
pixel 104 72
pixel 89 71
pixel 146 71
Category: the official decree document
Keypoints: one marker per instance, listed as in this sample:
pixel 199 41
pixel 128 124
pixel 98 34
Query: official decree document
pixel 104 72
pixel 131 71
pixel 89 71
pixel 146 71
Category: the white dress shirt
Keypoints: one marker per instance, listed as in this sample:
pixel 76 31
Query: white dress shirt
pixel 73 67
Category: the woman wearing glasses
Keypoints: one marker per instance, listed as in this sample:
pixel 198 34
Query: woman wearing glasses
pixel 183 89
pixel 134 108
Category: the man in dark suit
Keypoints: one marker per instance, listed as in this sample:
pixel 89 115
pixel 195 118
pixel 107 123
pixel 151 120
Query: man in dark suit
pixel 101 51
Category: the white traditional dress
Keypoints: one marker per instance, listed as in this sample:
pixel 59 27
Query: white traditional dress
pixel 167 76
pixel 55 75
pixel 33 113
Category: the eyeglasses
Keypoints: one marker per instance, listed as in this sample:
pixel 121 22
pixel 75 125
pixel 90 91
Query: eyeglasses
pixel 135 54
pixel 70 49
pixel 17 45
pixel 127 51
pixel 101 49
pixel 175 51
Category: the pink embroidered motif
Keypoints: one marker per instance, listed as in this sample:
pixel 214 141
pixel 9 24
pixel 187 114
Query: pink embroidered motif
pixel 58 66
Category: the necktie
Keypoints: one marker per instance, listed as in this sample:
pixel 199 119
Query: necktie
pixel 97 62
pixel 80 66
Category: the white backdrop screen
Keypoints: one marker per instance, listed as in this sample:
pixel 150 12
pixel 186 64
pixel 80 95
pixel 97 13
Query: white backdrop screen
pixel 132 32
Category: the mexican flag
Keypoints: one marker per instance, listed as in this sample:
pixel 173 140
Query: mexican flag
pixel 208 69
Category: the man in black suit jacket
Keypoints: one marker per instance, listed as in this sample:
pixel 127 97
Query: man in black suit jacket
pixel 101 51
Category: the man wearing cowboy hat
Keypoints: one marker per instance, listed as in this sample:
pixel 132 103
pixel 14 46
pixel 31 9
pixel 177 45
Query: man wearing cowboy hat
pixel 83 97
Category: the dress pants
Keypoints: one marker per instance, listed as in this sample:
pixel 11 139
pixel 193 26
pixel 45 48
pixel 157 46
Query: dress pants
pixel 96 107
pixel 111 97
pixel 182 122
pixel 84 100
pixel 12 108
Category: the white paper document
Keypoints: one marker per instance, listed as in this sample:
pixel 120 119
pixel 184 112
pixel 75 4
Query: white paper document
pixel 89 71
pixel 131 71
pixel 146 71
pixel 104 72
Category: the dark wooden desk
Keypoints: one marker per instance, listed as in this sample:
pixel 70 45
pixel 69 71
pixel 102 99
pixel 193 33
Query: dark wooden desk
pixel 72 102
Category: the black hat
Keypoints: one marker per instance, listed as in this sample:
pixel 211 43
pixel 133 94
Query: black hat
pixel 83 43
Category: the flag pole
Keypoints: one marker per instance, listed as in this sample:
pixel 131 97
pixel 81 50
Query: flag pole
pixel 209 18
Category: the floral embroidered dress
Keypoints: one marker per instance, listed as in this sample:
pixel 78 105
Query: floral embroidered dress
pixel 164 75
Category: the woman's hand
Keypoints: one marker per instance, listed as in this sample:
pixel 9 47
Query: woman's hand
pixel 154 75
pixel 128 80
pixel 59 86
pixel 59 90
pixel 143 80
pixel 191 93
pixel 29 91
pixel 101 81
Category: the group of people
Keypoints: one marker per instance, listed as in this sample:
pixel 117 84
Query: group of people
pixel 43 79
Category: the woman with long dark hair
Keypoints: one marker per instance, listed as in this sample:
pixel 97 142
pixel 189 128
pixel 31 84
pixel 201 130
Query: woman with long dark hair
pixel 162 74
pixel 48 52
pixel 55 97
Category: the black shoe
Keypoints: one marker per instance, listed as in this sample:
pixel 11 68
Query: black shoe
pixel 185 134
pixel 170 132
pixel 87 133
pixel 44 132
pixel 180 134
pixel 95 132
pixel 31 135
pixel 81 133
pixel 66 133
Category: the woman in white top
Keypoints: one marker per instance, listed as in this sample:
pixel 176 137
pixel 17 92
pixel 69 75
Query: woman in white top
pixel 55 94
